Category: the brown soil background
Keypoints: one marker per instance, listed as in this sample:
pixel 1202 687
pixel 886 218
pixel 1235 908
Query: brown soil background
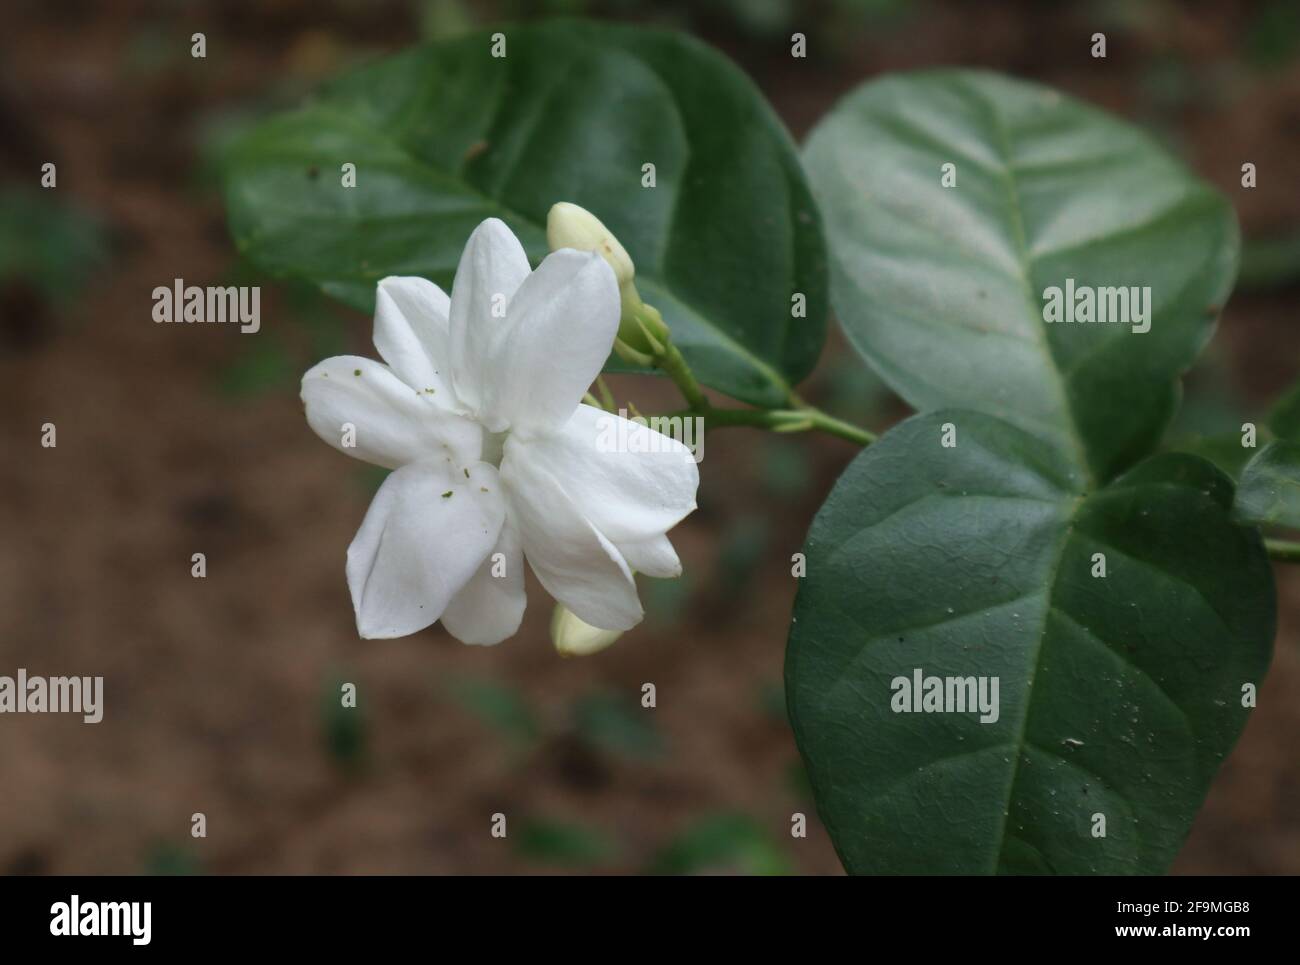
pixel 215 687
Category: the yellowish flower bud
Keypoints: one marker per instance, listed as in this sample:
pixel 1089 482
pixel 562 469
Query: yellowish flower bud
pixel 642 332
pixel 569 226
pixel 574 638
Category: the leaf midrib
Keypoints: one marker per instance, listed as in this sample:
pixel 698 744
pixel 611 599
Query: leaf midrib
pixel 1036 649
pixel 1025 262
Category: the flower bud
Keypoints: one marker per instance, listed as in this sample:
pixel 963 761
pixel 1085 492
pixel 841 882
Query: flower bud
pixel 574 638
pixel 569 226
pixel 642 333
pixel 642 327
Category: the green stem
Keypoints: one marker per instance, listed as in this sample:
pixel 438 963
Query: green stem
pixel 675 367
pixel 1286 550
pixel 606 397
pixel 781 420
pixel 799 419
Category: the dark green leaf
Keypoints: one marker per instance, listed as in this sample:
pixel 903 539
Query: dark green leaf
pixel 446 135
pixel 1284 418
pixel 1118 696
pixel 1223 449
pixel 942 288
pixel 1269 491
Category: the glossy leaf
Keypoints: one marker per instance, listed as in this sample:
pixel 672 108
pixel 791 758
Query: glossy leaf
pixel 1119 695
pixel 942 289
pixel 446 135
pixel 1269 491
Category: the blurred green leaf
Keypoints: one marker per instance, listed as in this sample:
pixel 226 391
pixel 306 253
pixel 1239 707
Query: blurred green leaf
pixel 169 859
pixel 264 366
pixel 760 18
pixel 796 779
pixel 500 706
pixel 1273 36
pixel 618 723
pixel 851 390
pixel 343 727
pixel 771 700
pixel 443 19
pixel 786 473
pixel 1268 264
pixel 562 843
pixel 743 547
pixel 52 245
pixel 722 843
pixel 665 601
pixel 1284 418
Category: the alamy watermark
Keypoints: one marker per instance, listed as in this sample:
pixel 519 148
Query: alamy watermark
pixel 53 695
pixel 214 304
pixel 616 435
pixel 1106 305
pixel 919 694
pixel 130 919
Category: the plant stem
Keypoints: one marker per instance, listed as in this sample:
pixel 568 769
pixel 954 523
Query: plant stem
pixel 1285 550
pixel 675 367
pixel 780 420
pixel 798 419
pixel 606 397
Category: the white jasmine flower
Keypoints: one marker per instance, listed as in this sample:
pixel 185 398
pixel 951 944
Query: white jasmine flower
pixel 478 412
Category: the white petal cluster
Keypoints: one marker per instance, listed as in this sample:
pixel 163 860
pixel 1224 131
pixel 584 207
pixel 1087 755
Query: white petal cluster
pixel 496 460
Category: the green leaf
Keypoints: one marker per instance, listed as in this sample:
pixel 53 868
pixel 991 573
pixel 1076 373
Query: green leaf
pixel 1117 696
pixel 502 707
pixel 730 843
pixel 54 246
pixel 1269 491
pixel 942 288
pixel 1223 449
pixel 616 723
pixel 1284 417
pixel 343 728
pixel 563 843
pixel 446 135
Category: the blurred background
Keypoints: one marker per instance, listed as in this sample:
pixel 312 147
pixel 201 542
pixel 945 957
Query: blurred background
pixel 222 694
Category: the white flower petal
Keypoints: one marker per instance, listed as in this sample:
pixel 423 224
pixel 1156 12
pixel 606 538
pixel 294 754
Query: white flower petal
pixel 653 557
pixel 392 424
pixel 573 561
pixel 492 267
pixel 489 608
pixel 411 334
pixel 424 536
pixel 631 482
pixel 561 327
